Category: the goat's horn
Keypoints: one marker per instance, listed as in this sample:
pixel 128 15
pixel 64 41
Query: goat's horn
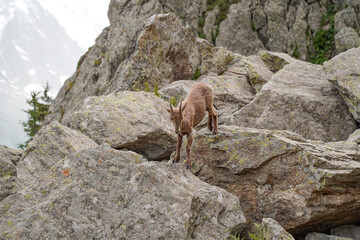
pixel 180 107
pixel 171 108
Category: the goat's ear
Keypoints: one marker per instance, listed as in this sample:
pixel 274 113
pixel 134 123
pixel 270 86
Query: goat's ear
pixel 168 109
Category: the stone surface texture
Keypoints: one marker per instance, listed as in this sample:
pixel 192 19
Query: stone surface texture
pixel 136 121
pixel 8 173
pixel 344 72
pixel 298 98
pixel 274 231
pixel 301 184
pixel 109 194
pixel 51 144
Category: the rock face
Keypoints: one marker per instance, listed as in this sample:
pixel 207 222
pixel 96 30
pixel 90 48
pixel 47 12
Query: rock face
pixel 298 98
pixel 136 121
pixel 346 76
pixel 8 160
pixel 164 52
pixel 274 231
pixel 355 137
pixel 349 231
pixel 110 194
pixel 322 236
pixel 50 145
pixel 70 187
pixel 301 184
pixel 240 16
pixel 345 39
pixel 244 27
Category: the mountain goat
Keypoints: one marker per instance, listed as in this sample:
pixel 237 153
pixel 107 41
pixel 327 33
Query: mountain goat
pixel 190 113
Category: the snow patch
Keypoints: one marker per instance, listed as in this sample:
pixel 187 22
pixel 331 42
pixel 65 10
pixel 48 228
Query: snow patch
pixel 22 5
pixel 41 33
pixel 20 50
pixel 31 72
pixel 3 72
pixel 2 81
pixel 24 58
pixel 52 72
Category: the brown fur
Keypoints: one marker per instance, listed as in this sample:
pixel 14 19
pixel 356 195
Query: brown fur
pixel 190 113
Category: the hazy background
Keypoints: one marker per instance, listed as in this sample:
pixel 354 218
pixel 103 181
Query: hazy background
pixel 40 41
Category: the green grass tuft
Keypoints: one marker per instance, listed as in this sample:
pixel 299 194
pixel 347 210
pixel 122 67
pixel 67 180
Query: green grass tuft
pixel 323 40
pixel 197 74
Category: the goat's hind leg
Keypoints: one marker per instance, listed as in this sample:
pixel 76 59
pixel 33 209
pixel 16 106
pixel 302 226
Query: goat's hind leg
pixel 214 119
pixel 209 123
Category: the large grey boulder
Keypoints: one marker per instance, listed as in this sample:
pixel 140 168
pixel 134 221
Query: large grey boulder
pixel 343 70
pixel 231 92
pixel 322 236
pixel 8 160
pixel 11 155
pixel 348 231
pixel 304 185
pixel 51 144
pixel 137 121
pixel 355 137
pixel 346 39
pixel 274 231
pixel 164 51
pixel 298 98
pixel 103 193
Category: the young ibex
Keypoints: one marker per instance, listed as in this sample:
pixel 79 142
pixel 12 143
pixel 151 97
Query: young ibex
pixel 190 113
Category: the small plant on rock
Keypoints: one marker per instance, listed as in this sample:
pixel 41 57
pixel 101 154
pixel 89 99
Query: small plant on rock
pixel 197 74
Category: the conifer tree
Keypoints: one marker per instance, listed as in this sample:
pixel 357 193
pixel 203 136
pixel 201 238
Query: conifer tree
pixel 39 108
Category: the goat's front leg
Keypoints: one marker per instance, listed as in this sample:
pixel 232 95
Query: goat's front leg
pixel 178 147
pixel 190 139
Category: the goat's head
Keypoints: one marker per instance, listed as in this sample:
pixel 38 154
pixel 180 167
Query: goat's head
pixel 176 116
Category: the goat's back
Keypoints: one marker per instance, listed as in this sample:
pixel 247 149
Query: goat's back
pixel 198 101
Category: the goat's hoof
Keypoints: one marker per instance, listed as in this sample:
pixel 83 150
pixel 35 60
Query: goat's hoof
pixel 188 166
pixel 214 132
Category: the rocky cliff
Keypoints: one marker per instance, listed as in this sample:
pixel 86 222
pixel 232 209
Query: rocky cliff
pixel 286 154
pixel 308 30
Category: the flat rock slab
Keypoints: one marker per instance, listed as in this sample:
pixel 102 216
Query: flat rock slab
pixel 299 183
pixel 111 194
pixel 298 98
pixel 51 144
pixel 136 121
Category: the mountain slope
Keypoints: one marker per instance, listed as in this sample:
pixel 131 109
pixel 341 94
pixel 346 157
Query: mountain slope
pixel 34 49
